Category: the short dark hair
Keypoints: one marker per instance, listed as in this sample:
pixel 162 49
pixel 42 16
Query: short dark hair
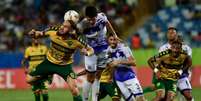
pixel 91 11
pixel 172 28
pixel 177 42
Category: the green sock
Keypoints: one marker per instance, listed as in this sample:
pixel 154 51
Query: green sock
pixel 45 97
pixel 37 97
pixel 77 98
pixel 148 89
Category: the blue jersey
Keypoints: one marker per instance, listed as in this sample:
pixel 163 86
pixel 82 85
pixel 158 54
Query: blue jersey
pixel 122 72
pixel 95 34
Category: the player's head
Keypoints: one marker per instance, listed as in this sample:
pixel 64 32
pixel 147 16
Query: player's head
pixel 35 41
pixel 176 47
pixel 67 27
pixel 112 41
pixel 171 33
pixel 91 13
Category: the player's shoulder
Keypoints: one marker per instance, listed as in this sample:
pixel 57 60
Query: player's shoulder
pixel 164 53
pixel 164 47
pixel 183 52
pixel 101 15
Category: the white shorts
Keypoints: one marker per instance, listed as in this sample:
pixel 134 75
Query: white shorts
pixel 184 84
pixel 130 88
pixel 94 61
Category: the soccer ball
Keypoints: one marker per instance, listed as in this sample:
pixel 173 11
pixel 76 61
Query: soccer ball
pixel 71 15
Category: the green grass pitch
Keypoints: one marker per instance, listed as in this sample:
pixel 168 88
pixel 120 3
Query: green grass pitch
pixel 63 95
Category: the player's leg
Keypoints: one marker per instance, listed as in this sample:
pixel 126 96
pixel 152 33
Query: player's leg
pixel 69 75
pixel 128 96
pixel 171 89
pixel 112 90
pixel 160 90
pixel 102 92
pixel 74 89
pixel 36 91
pixel 134 86
pixel 185 88
pixel 90 65
pixel 44 91
pixel 101 64
pixel 40 72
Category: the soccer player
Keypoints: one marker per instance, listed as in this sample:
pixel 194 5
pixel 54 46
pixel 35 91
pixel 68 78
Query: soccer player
pixel 94 28
pixel 124 76
pixel 168 66
pixel 34 55
pixel 183 83
pixel 59 58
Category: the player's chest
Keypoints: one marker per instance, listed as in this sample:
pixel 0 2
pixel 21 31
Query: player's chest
pixel 174 61
pixel 37 51
pixel 66 44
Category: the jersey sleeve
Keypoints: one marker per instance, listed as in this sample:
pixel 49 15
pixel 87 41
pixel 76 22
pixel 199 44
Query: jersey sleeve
pixel 127 52
pixel 188 50
pixel 103 17
pixel 26 54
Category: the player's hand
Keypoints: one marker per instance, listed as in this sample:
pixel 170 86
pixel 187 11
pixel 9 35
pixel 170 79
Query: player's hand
pixel 114 63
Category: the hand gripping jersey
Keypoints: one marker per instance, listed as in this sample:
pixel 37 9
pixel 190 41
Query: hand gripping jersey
pixel 61 51
pixel 95 34
pixel 35 55
pixel 122 72
pixel 169 66
pixel 185 48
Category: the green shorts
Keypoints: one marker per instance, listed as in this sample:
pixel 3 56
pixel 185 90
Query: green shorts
pixel 47 68
pixel 108 89
pixel 167 85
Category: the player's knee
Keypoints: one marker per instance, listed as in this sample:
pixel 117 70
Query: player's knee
pixel 91 77
pixel 44 91
pixel 140 98
pixel 74 90
pixel 188 95
pixel 37 92
pixel 160 94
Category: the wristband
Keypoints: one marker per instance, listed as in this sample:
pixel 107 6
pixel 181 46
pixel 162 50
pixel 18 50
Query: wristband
pixel 155 70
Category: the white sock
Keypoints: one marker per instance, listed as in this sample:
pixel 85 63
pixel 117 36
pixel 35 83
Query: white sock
pixel 95 90
pixel 86 91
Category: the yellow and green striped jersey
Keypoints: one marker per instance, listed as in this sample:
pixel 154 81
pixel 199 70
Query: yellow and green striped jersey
pixel 61 50
pixel 169 65
pixel 35 55
pixel 107 75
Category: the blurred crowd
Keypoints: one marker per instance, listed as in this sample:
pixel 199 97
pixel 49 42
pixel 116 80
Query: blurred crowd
pixel 185 18
pixel 17 17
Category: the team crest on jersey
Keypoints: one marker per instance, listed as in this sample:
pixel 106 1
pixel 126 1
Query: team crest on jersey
pixel 70 43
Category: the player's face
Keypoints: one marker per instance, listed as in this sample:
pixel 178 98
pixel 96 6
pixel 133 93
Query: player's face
pixel 65 28
pixel 175 48
pixel 35 41
pixel 92 21
pixel 171 34
pixel 112 42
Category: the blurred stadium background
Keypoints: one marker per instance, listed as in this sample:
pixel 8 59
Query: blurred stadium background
pixel 141 23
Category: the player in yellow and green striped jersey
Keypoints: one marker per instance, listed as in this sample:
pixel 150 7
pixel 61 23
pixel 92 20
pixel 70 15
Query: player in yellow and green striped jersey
pixel 59 58
pixel 34 55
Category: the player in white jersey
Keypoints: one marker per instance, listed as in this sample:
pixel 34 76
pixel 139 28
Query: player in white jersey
pixel 94 28
pixel 125 78
pixel 183 83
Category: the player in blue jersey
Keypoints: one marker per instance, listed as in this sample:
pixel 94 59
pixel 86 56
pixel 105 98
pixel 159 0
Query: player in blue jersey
pixel 125 78
pixel 94 28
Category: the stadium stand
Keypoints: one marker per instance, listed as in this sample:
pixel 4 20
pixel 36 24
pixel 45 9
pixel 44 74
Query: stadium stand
pixel 186 18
